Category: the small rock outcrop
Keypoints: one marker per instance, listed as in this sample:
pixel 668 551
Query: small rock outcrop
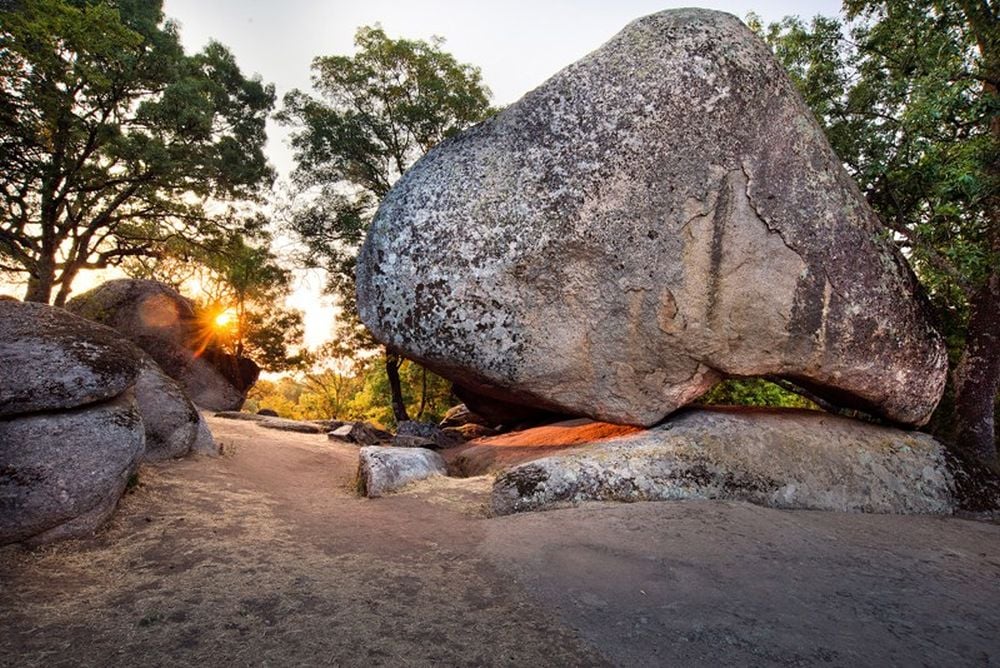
pixel 459 415
pixel 776 458
pixel 162 322
pixel 413 434
pixel 360 433
pixel 656 217
pixel 383 469
pixel 71 434
pixel 174 426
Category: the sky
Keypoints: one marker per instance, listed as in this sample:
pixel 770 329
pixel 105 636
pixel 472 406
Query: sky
pixel 518 44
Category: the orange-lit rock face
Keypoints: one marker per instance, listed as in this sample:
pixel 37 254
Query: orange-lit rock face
pixel 658 216
pixel 159 312
pixel 162 322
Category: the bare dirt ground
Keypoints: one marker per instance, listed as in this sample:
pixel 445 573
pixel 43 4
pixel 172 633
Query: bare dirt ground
pixel 266 557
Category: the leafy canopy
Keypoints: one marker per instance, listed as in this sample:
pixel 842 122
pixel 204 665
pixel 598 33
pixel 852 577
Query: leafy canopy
pixel 373 115
pixel 898 87
pixel 112 139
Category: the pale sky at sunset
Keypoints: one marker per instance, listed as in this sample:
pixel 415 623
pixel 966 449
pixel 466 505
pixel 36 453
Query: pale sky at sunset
pixel 518 44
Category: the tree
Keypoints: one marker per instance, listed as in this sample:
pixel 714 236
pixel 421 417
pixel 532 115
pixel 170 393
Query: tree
pixel 377 112
pixel 907 93
pixel 112 139
pixel 252 283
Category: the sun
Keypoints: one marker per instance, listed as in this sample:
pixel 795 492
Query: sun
pixel 225 319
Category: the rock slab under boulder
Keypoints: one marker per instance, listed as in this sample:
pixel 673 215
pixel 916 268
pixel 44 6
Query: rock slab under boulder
pixel 775 458
pixel 660 215
pixel 383 469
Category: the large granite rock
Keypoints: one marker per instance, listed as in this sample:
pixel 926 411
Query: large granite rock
pixel 174 427
pixel 163 323
pixel 80 407
pixel 52 360
pixel 660 215
pixel 384 469
pixel 61 474
pixel 781 459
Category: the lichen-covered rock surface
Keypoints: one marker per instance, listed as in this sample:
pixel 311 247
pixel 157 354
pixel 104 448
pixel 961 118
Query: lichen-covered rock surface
pixel 383 469
pixel 61 474
pixel 53 360
pixel 776 458
pixel 662 214
pixel 162 322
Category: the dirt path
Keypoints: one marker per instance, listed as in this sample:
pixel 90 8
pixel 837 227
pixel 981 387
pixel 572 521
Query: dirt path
pixel 265 557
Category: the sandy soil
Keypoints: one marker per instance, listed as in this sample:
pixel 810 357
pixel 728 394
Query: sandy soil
pixel 265 557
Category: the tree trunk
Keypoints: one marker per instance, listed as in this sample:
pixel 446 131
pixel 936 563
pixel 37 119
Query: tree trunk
pixel 40 284
pixel 977 376
pixel 65 287
pixel 423 392
pixel 392 364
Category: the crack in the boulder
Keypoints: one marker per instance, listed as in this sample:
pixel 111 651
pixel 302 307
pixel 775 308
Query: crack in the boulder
pixel 777 230
pixel 757 212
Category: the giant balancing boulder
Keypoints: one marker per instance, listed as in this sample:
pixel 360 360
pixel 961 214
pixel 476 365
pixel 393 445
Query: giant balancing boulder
pixel 656 217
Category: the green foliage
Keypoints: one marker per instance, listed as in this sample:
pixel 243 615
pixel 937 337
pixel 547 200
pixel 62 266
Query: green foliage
pixel 753 392
pixel 343 391
pixel 250 280
pixel 374 115
pixel 426 395
pixel 898 88
pixel 281 396
pixel 112 138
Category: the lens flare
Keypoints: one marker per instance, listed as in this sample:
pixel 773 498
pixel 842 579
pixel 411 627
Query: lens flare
pixel 225 319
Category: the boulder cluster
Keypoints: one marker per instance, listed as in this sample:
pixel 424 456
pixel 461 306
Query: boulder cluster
pixel 163 323
pixel 83 404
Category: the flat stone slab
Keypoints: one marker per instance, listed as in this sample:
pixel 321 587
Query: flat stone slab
pixel 383 469
pixel 298 426
pixel 280 424
pixel 495 454
pixel 775 458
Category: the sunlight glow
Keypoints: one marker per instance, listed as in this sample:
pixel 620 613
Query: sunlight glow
pixel 225 319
